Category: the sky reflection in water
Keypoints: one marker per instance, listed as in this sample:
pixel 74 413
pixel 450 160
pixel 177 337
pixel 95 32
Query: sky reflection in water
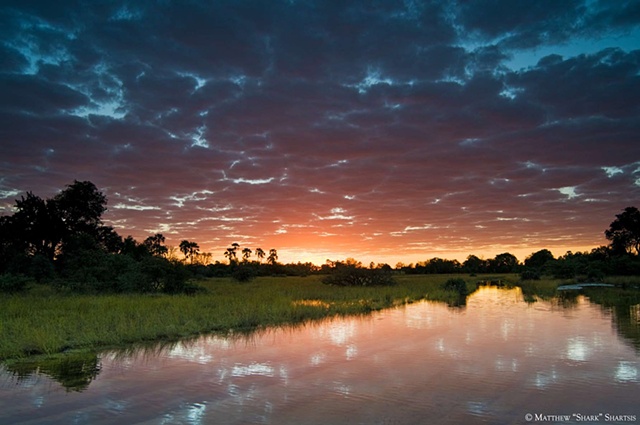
pixel 495 360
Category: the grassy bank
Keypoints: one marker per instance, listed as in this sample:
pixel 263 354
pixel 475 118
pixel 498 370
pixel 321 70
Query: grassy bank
pixel 43 321
pixel 626 287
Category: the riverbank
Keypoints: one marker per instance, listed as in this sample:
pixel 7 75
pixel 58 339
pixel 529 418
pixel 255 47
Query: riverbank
pixel 44 321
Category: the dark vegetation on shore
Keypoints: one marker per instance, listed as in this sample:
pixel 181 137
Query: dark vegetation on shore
pixel 68 281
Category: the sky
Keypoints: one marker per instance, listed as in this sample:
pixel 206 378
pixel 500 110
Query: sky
pixel 386 131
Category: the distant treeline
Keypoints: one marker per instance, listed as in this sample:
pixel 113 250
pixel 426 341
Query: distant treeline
pixel 596 264
pixel 63 241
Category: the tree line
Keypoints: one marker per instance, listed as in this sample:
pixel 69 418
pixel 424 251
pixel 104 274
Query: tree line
pixel 620 257
pixel 63 241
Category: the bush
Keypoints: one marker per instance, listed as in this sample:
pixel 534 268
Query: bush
pixel 41 268
pixel 244 273
pixel 10 283
pixel 456 284
pixel 346 275
pixel 97 271
pixel 595 274
pixel 175 279
pixel 530 274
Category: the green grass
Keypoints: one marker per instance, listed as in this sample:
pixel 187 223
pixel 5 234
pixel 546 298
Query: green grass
pixel 43 321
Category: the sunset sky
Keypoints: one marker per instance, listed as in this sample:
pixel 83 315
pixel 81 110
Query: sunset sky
pixel 382 130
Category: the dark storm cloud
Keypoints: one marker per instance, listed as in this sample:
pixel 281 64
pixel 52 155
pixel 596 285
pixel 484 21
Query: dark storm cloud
pixel 523 23
pixel 559 85
pixel 383 123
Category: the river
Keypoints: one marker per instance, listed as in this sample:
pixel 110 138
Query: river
pixel 497 360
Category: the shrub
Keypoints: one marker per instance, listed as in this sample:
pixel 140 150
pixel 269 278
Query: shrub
pixel 347 275
pixel 97 271
pixel 10 283
pixel 175 279
pixel 456 284
pixel 41 268
pixel 530 274
pixel 244 273
pixel 595 274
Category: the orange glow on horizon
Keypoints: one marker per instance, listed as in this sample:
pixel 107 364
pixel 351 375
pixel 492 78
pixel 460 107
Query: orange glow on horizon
pixel 318 257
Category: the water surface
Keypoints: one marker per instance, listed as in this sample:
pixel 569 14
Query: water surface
pixel 497 360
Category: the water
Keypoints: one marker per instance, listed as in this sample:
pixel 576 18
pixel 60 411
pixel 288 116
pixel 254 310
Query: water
pixel 498 360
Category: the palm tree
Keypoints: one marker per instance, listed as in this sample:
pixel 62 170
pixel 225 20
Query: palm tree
pixel 230 253
pixel 273 256
pixel 189 249
pixel 259 254
pixel 246 253
pixel 184 248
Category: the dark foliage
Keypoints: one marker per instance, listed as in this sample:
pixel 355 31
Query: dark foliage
pixel 155 245
pixel 539 259
pixel 244 272
pixel 45 227
pixel 530 274
pixel 437 266
pixel 456 284
pixel 87 268
pixel 62 240
pixel 352 275
pixel 624 232
pixel 503 263
pixel 11 283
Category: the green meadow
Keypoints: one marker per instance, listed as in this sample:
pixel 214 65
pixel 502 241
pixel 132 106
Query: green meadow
pixel 46 321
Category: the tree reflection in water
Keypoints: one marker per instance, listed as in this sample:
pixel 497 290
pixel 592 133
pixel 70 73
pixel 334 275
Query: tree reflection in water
pixel 624 307
pixel 74 371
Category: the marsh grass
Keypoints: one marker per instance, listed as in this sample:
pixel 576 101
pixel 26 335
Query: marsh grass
pixel 543 289
pixel 45 321
pixel 625 291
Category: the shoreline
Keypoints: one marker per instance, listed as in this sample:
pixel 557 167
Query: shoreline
pixel 43 322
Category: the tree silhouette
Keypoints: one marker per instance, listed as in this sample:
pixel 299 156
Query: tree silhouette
pixel 43 227
pixel 260 254
pixel 246 253
pixel 624 232
pixel 109 239
pixel 189 249
pixel 474 264
pixel 81 205
pixel 155 245
pixel 36 228
pixel 273 256
pixel 503 263
pixel 539 258
pixel 232 253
